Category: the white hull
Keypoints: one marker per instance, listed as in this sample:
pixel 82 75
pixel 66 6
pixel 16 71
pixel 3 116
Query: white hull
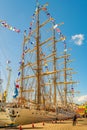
pixel 25 116
pixel 21 116
pixel 4 119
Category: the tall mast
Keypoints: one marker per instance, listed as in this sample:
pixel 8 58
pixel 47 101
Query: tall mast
pixel 22 66
pixel 65 76
pixel 0 86
pixel 54 58
pixel 38 56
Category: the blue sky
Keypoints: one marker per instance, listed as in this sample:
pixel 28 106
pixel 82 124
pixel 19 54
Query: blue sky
pixel 18 13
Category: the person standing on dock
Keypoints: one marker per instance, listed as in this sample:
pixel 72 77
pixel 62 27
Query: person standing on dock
pixel 74 119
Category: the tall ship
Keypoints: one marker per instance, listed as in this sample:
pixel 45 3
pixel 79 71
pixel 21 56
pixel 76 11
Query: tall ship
pixel 41 88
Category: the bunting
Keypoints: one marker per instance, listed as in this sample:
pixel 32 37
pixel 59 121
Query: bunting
pixel 55 26
pixel 31 23
pixel 4 24
pixel 72 90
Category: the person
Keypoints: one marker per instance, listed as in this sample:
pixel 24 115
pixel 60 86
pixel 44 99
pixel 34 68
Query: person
pixel 74 119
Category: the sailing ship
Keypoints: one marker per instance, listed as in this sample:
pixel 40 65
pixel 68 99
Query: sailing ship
pixel 38 86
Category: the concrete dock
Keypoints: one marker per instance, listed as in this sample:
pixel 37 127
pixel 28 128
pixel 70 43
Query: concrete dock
pixel 59 125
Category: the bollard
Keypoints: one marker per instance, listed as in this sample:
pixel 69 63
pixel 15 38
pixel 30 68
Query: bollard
pixel 32 125
pixel 43 123
pixel 20 128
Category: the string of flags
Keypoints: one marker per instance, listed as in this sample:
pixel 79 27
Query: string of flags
pixel 72 91
pixel 6 25
pixel 55 26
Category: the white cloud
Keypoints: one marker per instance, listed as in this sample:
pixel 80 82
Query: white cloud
pixel 78 39
pixel 81 99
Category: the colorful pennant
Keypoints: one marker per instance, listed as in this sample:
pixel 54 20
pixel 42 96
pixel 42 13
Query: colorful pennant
pixel 4 24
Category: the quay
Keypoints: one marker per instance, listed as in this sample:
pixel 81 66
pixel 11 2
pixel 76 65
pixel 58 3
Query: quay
pixel 59 125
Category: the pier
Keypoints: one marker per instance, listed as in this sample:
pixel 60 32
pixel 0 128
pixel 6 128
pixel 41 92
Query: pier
pixel 59 125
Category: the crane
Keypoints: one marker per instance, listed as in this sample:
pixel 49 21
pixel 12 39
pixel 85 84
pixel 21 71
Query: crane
pixel 14 29
pixel 8 83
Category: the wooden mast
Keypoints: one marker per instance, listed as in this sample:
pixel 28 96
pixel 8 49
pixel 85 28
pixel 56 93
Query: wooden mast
pixel 22 67
pixel 38 57
pixel 54 59
pixel 65 76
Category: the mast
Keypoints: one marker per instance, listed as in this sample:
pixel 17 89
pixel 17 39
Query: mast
pixel 1 81
pixel 38 56
pixel 65 76
pixel 22 67
pixel 54 59
pixel 66 82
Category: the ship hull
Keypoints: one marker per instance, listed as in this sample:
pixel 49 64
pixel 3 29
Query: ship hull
pixel 22 116
pixel 26 116
pixel 4 119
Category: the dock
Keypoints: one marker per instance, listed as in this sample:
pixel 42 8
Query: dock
pixel 59 125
